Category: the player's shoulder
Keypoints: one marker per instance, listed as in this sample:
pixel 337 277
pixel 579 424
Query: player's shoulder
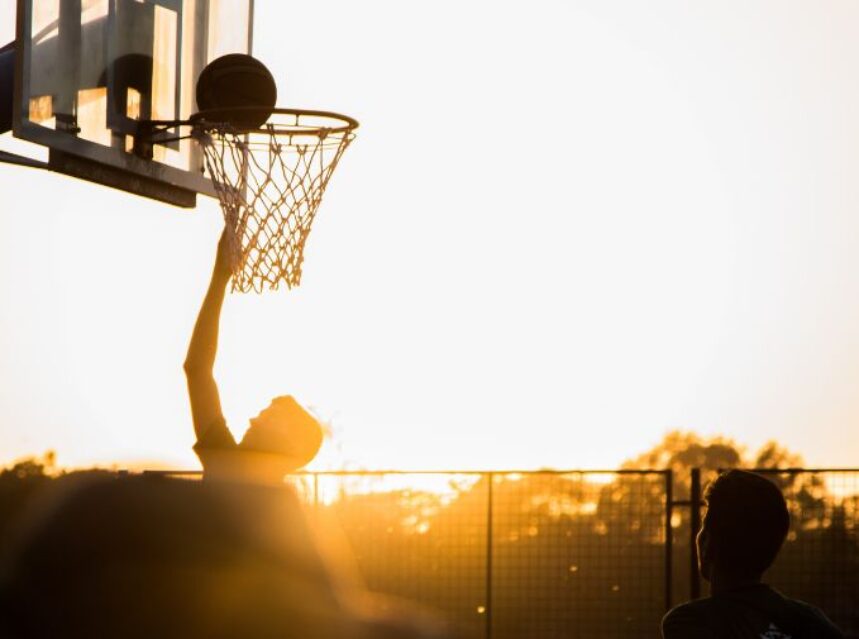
pixel 689 619
pixel 699 618
pixel 216 436
pixel 805 616
pixel 814 620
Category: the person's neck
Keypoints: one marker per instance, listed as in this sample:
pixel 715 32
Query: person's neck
pixel 721 582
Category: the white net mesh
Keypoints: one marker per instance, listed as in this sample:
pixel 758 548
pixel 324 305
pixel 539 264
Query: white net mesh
pixel 270 183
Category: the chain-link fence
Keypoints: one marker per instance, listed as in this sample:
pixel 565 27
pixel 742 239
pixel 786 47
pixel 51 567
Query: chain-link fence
pixel 506 554
pixel 575 553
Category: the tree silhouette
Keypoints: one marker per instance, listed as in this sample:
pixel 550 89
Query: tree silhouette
pixel 18 483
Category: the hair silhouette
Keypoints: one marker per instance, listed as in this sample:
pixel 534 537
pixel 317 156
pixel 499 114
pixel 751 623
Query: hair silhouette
pixel 747 520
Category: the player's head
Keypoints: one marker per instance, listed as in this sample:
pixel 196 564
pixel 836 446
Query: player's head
pixel 744 528
pixel 286 433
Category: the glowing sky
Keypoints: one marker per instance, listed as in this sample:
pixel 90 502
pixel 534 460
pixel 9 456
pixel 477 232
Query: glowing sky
pixel 564 228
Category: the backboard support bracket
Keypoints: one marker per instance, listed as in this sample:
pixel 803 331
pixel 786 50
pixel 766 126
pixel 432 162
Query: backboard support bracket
pixel 21 160
pixel 83 168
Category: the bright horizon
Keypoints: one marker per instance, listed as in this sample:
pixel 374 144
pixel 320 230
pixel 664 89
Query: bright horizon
pixel 563 230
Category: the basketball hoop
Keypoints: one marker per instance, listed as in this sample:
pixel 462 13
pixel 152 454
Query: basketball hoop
pixel 269 167
pixel 270 180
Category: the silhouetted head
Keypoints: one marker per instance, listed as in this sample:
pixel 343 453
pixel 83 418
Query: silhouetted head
pixel 287 429
pixel 145 557
pixel 282 438
pixel 744 528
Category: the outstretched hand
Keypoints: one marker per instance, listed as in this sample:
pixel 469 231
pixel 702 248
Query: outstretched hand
pixel 224 258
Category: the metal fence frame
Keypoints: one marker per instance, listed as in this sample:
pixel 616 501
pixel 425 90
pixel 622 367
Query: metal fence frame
pixel 694 504
pixel 667 474
pixel 669 505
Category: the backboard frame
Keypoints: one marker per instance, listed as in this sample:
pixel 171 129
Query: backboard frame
pixel 108 165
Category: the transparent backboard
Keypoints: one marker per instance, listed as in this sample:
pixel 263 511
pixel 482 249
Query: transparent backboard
pixel 89 71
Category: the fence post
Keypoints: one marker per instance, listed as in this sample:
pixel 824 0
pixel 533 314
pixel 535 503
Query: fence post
pixel 694 526
pixel 669 534
pixel 491 480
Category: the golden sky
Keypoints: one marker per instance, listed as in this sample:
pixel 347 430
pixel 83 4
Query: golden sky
pixel 564 228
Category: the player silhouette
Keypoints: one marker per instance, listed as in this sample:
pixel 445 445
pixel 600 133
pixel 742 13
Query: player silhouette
pixel 282 438
pixel 745 526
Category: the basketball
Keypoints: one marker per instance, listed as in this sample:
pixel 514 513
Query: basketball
pixel 238 81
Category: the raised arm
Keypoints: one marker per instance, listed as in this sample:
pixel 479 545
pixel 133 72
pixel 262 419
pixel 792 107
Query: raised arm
pixel 200 361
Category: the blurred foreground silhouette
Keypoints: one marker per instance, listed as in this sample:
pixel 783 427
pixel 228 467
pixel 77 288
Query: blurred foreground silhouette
pixel 143 556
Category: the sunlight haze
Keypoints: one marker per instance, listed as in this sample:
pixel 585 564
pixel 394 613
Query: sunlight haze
pixel 564 229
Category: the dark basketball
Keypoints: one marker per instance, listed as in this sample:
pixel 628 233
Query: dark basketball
pixel 241 82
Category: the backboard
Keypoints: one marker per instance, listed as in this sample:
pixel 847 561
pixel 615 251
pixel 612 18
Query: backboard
pixel 87 71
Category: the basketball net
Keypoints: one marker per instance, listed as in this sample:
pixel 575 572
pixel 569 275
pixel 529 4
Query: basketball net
pixel 270 182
